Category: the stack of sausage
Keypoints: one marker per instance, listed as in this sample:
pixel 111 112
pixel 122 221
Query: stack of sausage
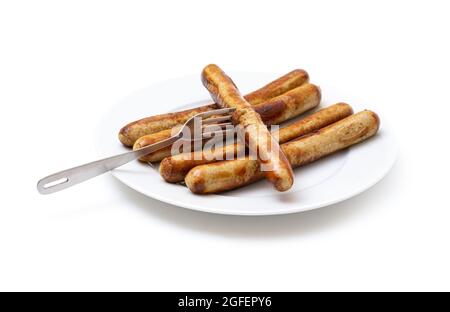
pixel 320 134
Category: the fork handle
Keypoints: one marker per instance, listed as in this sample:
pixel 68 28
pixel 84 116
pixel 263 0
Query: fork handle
pixel 69 177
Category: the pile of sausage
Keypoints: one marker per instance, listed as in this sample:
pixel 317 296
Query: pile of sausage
pixel 322 133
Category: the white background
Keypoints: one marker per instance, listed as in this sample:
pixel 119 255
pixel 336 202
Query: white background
pixel 64 63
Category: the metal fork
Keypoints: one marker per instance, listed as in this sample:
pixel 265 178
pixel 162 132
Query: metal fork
pixel 69 177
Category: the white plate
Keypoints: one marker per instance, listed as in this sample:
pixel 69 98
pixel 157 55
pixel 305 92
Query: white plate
pixel 325 182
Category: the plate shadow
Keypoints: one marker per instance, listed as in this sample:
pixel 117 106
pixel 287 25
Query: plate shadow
pixel 262 227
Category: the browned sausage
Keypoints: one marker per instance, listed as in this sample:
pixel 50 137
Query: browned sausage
pixel 136 129
pixel 154 138
pixel 290 104
pixel 274 111
pixel 174 168
pixel 228 175
pixel 225 93
pixel 277 87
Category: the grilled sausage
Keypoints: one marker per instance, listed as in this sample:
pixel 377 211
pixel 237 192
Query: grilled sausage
pixel 174 168
pixel 136 129
pixel 227 175
pixel 225 93
pixel 274 111
pixel 290 104
pixel 277 87
pixel 154 138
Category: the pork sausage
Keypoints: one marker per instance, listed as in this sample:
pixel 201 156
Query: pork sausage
pixel 225 93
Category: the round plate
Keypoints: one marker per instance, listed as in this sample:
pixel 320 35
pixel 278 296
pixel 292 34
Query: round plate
pixel 325 182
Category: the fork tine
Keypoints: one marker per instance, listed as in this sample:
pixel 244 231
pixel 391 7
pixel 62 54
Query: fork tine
pixel 199 120
pixel 220 111
pixel 220 125
pixel 216 120
pixel 206 135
